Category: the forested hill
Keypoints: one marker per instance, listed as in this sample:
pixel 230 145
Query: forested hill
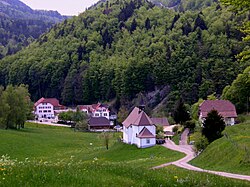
pixel 20 25
pixel 182 5
pixel 121 48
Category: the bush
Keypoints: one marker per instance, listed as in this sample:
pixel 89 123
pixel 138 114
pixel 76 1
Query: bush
pixel 241 119
pixel 200 144
pixel 81 126
pixel 190 124
pixel 160 135
pixel 175 129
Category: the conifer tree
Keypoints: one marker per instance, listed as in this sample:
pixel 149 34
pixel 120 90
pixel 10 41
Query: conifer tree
pixel 213 126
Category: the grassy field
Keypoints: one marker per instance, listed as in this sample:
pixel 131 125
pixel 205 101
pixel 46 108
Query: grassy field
pixel 54 156
pixel 230 153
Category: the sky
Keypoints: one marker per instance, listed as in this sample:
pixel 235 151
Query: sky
pixel 64 7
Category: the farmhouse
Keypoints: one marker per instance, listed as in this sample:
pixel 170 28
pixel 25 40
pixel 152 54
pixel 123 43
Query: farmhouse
pixel 139 129
pixel 225 108
pixel 99 123
pixel 47 107
pixel 96 110
pixel 163 122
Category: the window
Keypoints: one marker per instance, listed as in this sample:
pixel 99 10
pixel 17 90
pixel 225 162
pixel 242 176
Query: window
pixel 96 115
pixel 105 114
pixel 104 110
pixel 40 111
pixel 49 110
pixel 45 111
pixel 148 141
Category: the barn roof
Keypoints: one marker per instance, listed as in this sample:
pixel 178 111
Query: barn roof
pixel 224 107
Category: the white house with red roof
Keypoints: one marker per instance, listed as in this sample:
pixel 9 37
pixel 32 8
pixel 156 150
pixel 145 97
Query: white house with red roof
pixel 224 107
pixel 96 110
pixel 46 108
pixel 139 129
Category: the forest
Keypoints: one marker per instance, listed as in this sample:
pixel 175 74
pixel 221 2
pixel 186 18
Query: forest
pixel 117 49
pixel 20 25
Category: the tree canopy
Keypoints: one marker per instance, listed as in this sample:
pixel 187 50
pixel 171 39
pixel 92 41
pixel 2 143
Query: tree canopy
pixel 126 47
pixel 213 126
pixel 15 106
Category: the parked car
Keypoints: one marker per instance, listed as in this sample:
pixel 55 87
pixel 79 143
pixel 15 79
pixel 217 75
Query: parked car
pixel 160 141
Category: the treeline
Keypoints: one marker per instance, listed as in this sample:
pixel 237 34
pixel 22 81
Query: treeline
pixel 20 25
pixel 121 48
pixel 15 106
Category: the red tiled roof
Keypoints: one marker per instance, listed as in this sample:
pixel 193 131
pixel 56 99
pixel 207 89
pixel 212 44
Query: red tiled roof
pixel 100 121
pixel 137 117
pixel 145 133
pixel 93 107
pixel 225 108
pixel 160 121
pixel 52 101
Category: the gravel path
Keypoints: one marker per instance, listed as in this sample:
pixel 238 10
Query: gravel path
pixel 183 163
pixel 49 123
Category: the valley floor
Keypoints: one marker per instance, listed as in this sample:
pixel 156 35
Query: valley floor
pixel 42 155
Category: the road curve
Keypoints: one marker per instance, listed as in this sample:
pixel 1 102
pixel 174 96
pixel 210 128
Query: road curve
pixel 183 163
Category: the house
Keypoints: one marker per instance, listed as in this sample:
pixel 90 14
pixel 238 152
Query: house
pixel 224 107
pixel 139 129
pixel 96 110
pixel 163 122
pixel 46 108
pixel 99 123
pixel 167 128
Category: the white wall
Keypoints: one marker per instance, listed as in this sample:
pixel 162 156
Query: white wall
pixel 45 110
pixel 125 134
pixel 143 142
pixel 130 136
pixel 101 112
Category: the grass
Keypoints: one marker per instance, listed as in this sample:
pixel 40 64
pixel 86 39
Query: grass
pixel 54 156
pixel 230 153
pixel 176 138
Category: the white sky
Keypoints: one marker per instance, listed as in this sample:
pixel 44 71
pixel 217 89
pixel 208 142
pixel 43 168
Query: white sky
pixel 64 7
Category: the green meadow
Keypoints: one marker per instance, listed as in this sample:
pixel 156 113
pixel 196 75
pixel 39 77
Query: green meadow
pixel 230 153
pixel 42 155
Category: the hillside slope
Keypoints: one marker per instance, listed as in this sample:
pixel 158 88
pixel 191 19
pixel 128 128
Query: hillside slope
pixel 230 153
pixel 122 48
pixel 20 25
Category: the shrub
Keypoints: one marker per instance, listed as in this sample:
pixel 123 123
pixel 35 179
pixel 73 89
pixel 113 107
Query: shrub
pixel 200 144
pixel 190 124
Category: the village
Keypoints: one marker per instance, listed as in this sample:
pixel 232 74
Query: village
pixel 138 128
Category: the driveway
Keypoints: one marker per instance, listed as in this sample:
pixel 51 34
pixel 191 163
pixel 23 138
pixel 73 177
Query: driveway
pixel 183 163
pixel 49 123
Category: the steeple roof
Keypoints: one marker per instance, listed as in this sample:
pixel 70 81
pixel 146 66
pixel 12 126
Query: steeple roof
pixel 138 118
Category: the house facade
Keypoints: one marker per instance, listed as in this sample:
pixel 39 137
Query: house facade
pixel 138 129
pixel 96 110
pixel 46 108
pixel 224 107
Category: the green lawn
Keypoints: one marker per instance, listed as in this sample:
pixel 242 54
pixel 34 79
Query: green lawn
pixel 53 156
pixel 230 153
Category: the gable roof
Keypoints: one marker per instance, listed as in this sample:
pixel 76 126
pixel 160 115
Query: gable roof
pixel 224 107
pixel 52 101
pixel 145 133
pixel 160 121
pixel 93 107
pixel 100 121
pixel 138 118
